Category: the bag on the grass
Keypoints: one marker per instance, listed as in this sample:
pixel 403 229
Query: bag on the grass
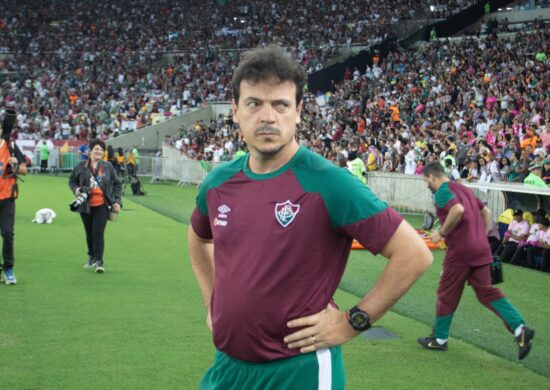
pixel 136 187
pixel 496 272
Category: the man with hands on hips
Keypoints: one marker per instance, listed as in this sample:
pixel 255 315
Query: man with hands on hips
pixel 270 238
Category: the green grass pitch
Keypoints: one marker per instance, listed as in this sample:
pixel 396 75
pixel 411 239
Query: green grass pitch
pixel 141 325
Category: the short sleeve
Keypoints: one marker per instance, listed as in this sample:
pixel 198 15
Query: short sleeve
pixel 376 231
pixel 201 224
pixel 444 198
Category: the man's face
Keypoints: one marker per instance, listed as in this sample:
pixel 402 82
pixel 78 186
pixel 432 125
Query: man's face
pixel 430 182
pixel 267 115
pixel 518 217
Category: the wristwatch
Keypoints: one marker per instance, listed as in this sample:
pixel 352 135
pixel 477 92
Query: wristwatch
pixel 358 319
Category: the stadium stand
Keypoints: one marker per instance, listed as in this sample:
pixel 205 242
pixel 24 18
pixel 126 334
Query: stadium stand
pixel 79 70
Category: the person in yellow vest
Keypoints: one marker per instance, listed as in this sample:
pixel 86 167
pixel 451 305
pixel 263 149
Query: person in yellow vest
pixel 12 163
pixel 534 179
pixel 120 161
pixel 131 163
pixel 357 166
pixel 371 159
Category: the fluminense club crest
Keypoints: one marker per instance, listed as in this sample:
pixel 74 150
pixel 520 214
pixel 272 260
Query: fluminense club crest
pixel 286 212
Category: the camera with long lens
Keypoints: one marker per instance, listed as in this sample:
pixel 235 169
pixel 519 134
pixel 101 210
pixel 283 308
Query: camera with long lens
pixel 8 123
pixel 80 199
pixel 7 126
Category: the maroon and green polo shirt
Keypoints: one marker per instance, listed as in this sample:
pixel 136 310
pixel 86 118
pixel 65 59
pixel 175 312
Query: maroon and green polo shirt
pixel 281 244
pixel 467 244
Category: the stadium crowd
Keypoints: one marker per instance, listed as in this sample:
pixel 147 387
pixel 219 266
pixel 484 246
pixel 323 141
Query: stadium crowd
pixel 481 103
pixel 78 69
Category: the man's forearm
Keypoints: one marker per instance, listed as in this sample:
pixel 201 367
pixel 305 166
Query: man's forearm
pixel 201 255
pixel 453 218
pixel 487 219
pixel 406 264
pixel 394 282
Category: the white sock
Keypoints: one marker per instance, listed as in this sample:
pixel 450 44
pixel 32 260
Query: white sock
pixel 518 330
pixel 441 341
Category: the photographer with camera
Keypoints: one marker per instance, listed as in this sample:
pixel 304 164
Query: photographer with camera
pixel 98 193
pixel 12 163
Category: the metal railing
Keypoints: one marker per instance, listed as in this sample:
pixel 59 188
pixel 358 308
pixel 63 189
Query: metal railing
pixel 183 171
pixel 407 194
pixel 57 160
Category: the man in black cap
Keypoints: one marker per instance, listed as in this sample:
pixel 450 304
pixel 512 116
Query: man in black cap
pixel 518 231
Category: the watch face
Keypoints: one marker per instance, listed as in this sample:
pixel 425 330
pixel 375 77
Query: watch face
pixel 359 319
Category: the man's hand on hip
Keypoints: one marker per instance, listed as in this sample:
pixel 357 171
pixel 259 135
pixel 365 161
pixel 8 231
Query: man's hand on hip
pixel 321 330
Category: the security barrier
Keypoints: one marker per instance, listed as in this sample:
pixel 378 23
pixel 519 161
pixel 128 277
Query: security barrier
pixel 57 160
pixel 407 194
pixel 183 171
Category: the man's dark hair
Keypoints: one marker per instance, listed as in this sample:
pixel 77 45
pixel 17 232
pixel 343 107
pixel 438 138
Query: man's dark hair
pixel 266 64
pixel 99 142
pixel 435 169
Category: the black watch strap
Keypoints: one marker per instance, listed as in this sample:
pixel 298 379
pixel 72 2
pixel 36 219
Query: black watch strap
pixel 359 319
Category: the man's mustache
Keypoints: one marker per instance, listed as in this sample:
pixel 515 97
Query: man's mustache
pixel 267 129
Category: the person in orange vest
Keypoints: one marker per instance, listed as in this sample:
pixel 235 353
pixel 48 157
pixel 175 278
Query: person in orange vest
pixel 12 163
pixel 361 124
pixel 395 113
pixel 98 194
pixel 530 138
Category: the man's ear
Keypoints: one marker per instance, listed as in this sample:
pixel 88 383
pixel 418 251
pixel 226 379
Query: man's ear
pixel 234 109
pixel 299 111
